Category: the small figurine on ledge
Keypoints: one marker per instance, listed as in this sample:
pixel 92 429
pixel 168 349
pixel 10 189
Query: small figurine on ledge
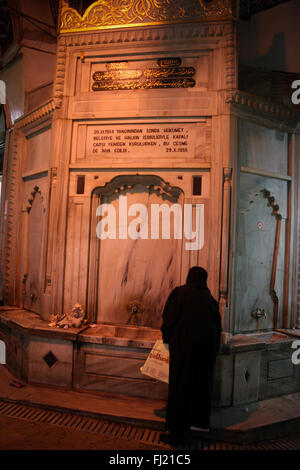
pixel 74 318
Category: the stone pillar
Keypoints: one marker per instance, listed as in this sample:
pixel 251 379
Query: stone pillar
pixel 297 231
pixel 224 271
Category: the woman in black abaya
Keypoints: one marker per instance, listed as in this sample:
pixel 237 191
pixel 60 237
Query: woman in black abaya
pixel 192 328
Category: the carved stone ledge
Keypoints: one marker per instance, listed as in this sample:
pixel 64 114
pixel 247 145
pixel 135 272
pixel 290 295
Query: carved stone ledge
pixel 264 108
pixel 29 199
pixel 153 34
pixel 37 114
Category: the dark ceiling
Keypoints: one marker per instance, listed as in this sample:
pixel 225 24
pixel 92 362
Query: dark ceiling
pixel 250 7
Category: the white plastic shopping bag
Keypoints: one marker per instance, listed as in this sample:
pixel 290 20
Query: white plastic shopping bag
pixel 157 363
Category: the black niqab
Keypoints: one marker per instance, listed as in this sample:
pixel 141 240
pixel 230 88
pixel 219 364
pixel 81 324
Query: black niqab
pixel 198 277
pixel 192 327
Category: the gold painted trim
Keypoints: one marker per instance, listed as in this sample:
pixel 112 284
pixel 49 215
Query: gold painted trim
pixel 108 14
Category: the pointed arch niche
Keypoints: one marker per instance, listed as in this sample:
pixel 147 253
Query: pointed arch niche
pixel 124 270
pixel 33 261
pixel 261 272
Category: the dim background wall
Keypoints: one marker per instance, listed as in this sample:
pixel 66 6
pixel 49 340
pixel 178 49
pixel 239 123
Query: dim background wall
pixel 270 39
pixel 28 65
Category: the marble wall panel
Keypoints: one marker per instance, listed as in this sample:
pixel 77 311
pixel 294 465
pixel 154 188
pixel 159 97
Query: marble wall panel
pixel 255 251
pixel 126 266
pixel 50 361
pixel 36 229
pixel 108 365
pixel 223 380
pixel 279 375
pixel 263 149
pixel 246 377
pixel 144 144
pixel 115 370
pixel 178 103
pixel 38 150
pixel 76 266
pixel 139 269
pixel 280 368
pixel 34 242
pixel 16 347
pixel 191 101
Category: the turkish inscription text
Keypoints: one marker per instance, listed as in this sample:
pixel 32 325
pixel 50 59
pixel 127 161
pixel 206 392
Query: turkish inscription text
pixel 155 140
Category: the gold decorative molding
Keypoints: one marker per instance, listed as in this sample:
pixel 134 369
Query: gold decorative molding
pixel 104 14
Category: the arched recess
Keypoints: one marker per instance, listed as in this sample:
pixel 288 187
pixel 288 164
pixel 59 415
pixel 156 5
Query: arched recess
pixel 260 254
pixel 123 270
pixel 33 268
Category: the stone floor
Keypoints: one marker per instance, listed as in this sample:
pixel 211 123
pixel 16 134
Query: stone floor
pixel 268 419
pixel 24 428
pixel 16 434
pixel 124 408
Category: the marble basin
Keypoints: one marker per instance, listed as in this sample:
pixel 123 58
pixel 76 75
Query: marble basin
pixel 129 332
pixel 269 336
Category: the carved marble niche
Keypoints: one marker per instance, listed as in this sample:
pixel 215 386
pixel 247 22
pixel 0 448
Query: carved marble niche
pixel 261 253
pixel 135 266
pixel 33 251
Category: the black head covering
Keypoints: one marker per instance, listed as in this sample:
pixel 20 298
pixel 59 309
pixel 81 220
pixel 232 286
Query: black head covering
pixel 198 277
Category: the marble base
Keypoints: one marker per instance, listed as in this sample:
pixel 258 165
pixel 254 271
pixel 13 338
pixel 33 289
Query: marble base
pixel 255 367
pixel 107 358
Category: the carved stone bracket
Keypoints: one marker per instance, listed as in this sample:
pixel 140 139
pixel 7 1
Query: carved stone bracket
pixel 272 203
pixel 275 212
pixel 30 199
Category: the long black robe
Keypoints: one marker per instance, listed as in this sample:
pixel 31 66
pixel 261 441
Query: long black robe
pixel 192 327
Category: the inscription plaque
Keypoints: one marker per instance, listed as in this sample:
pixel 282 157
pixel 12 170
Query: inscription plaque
pixel 154 140
pixel 168 74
